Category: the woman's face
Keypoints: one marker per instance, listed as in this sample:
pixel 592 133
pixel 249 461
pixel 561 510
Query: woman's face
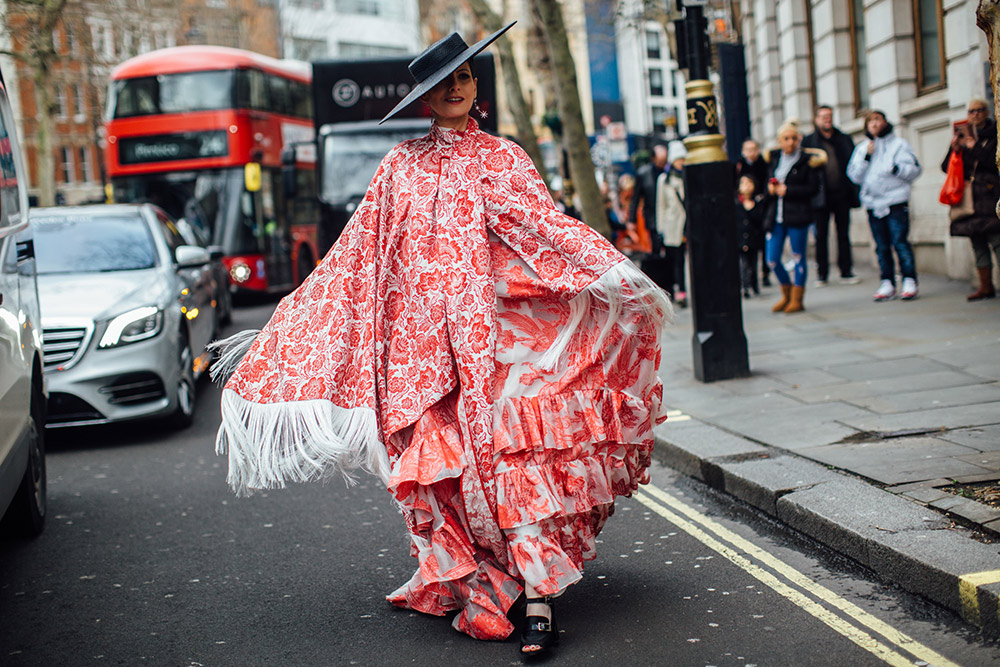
pixel 452 98
pixel 977 113
pixel 876 124
pixel 788 141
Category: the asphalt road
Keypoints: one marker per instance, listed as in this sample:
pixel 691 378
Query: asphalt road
pixel 148 559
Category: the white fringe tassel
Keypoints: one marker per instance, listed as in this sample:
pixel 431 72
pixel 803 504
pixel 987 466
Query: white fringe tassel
pixel 231 352
pixel 271 444
pixel 622 288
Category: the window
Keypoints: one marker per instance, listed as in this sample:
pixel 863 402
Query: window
pixel 86 168
pixel 66 165
pixel 930 44
pixel 77 97
pixel 307 49
pixel 357 50
pixel 60 101
pixel 366 7
pixel 103 40
pixel 656 82
pixel 859 51
pixel 659 119
pixel 652 44
pixel 278 94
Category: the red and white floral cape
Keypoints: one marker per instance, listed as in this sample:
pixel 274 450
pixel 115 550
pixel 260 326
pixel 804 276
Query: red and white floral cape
pixel 491 359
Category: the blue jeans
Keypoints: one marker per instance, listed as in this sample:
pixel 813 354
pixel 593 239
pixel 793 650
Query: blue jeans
pixel 891 232
pixel 797 237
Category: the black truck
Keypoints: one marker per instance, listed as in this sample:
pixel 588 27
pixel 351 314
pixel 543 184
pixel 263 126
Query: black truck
pixel 350 97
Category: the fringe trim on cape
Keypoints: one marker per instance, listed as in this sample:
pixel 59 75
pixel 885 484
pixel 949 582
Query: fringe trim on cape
pixel 270 444
pixel 622 288
pixel 231 352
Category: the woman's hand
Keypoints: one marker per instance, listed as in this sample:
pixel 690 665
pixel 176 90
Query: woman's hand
pixel 780 189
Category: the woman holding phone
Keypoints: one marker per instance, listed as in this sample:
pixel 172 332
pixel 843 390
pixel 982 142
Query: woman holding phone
pixel 976 140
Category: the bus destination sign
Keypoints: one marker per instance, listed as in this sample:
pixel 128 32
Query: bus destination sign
pixel 168 147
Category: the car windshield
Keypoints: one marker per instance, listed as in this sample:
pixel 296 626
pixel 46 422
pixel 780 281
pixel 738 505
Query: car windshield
pixel 172 93
pixel 350 161
pixel 91 242
pixel 213 201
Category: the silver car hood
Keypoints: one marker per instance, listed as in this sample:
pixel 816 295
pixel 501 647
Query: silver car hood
pixel 100 296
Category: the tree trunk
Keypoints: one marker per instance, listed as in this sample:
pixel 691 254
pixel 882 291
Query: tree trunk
pixel 988 20
pixel 46 166
pixel 574 133
pixel 492 22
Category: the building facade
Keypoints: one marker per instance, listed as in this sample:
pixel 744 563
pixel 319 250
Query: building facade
pixel 313 29
pixel 652 86
pixel 88 39
pixel 918 61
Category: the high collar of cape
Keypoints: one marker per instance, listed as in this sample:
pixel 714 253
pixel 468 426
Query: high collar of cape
pixel 445 137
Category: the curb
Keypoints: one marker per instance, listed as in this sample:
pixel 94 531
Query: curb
pixel 900 540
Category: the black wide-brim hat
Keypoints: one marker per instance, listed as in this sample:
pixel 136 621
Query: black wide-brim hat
pixel 439 60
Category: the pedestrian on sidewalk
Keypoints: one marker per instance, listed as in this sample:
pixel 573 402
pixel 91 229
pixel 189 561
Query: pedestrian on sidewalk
pixel 658 263
pixel 976 141
pixel 793 184
pixel 885 166
pixel 751 210
pixel 671 221
pixel 492 360
pixel 752 164
pixel 840 195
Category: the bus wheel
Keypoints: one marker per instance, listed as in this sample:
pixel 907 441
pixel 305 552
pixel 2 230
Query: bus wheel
pixel 304 265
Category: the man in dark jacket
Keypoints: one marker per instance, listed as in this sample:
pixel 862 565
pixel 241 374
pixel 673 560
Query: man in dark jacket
pixel 840 196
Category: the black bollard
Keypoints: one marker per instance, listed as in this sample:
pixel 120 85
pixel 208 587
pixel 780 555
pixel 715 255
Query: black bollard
pixel 719 344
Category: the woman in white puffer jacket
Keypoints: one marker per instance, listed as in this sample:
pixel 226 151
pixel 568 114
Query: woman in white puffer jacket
pixel 885 168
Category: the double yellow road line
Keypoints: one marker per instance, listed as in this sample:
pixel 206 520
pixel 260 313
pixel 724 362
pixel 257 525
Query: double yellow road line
pixel 875 636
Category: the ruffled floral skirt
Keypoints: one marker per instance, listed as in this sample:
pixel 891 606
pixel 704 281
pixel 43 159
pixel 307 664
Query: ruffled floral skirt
pixel 571 431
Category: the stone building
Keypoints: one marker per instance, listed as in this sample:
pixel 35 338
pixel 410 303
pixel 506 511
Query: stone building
pixel 919 61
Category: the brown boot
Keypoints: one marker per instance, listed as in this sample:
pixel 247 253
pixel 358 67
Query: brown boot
pixel 985 290
pixel 795 303
pixel 786 296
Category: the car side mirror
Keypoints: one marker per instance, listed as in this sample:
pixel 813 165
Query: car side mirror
pixel 191 256
pixel 216 252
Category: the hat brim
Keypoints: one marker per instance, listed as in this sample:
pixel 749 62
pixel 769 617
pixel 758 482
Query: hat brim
pixel 445 70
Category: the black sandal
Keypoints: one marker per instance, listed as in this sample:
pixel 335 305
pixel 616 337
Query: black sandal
pixel 539 634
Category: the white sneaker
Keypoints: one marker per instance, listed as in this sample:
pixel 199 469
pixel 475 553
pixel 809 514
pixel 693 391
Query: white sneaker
pixel 819 283
pixel 909 289
pixel 850 280
pixel 885 291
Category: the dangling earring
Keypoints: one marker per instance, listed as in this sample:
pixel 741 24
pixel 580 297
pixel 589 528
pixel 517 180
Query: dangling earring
pixel 479 110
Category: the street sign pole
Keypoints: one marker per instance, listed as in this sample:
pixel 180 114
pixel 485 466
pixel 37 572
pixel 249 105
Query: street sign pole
pixel 719 345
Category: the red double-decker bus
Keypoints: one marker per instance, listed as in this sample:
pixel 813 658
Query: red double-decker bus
pixel 200 131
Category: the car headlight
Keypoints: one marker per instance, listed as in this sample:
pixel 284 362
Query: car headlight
pixel 135 325
pixel 239 271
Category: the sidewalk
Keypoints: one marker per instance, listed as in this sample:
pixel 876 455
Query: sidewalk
pixel 855 417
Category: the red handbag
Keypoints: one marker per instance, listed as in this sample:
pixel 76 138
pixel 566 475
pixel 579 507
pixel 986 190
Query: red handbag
pixel 954 181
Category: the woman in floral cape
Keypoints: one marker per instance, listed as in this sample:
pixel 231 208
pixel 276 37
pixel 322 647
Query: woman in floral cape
pixel 490 359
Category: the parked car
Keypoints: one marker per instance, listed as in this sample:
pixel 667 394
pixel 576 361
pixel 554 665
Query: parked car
pixel 128 310
pixel 194 235
pixel 22 383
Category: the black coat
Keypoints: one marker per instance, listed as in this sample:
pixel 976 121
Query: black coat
pixel 645 190
pixel 843 147
pixel 803 183
pixel 751 224
pixel 980 160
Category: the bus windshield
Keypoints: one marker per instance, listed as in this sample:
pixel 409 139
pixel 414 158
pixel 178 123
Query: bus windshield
pixel 171 93
pixel 350 161
pixel 213 201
